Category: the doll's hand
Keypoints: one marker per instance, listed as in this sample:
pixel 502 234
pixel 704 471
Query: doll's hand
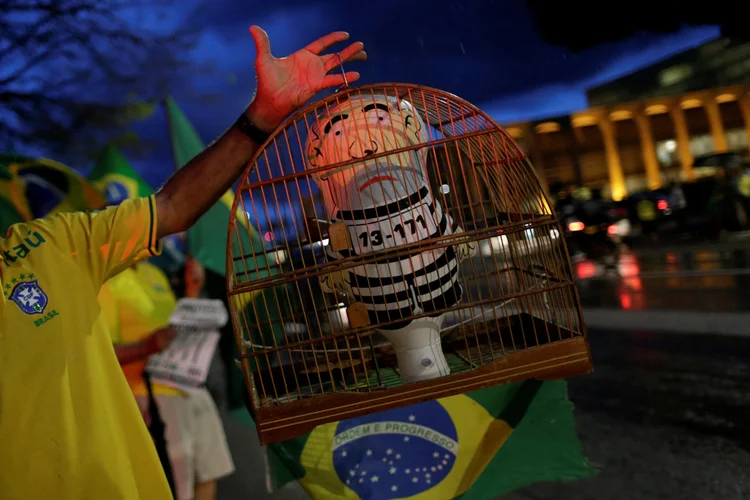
pixel 465 250
pixel 334 282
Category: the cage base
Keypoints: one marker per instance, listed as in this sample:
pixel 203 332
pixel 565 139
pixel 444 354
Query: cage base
pixel 558 360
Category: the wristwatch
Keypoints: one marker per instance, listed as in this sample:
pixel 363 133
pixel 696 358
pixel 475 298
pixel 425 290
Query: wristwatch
pixel 251 130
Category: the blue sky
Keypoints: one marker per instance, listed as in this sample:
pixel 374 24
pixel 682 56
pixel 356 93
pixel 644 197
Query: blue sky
pixel 487 52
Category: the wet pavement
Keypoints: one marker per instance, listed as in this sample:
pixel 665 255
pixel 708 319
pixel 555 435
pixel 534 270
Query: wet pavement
pixel 704 278
pixel 662 417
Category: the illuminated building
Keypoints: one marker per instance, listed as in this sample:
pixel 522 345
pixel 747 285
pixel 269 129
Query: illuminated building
pixel 645 129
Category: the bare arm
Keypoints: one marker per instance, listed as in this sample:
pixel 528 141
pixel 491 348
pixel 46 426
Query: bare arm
pixel 197 186
pixel 137 351
pixel 284 85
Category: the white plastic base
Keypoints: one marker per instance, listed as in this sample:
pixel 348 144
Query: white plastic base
pixel 418 350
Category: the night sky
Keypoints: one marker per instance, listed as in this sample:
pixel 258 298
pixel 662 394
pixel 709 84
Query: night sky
pixel 485 51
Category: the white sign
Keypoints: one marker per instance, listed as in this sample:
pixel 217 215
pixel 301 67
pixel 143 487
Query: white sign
pixel 185 363
pixel 207 314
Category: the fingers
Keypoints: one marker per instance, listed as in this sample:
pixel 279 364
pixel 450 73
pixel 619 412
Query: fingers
pixel 359 56
pixel 332 60
pixel 262 44
pixel 338 80
pixel 354 52
pixel 323 43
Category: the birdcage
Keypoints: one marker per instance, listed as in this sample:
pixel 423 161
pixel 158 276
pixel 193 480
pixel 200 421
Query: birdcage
pixel 393 244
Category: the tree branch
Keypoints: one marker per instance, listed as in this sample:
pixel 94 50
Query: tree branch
pixel 67 65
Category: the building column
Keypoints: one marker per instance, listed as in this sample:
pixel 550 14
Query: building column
pixel 574 150
pixel 682 136
pixel 744 103
pixel 614 166
pixel 648 149
pixel 717 126
pixel 535 155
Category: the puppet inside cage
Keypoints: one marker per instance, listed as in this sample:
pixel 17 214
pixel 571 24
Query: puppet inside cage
pixel 405 251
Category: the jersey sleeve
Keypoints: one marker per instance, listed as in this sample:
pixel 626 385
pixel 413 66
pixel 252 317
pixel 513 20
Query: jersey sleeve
pixel 106 242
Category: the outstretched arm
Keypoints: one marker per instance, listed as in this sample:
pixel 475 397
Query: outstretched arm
pixel 137 351
pixel 284 85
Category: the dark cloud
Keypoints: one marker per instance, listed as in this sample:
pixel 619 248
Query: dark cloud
pixel 477 49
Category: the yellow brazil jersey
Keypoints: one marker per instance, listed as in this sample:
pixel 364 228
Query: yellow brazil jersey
pixel 137 302
pixel 69 425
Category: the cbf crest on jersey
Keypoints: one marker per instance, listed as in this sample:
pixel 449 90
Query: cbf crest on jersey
pixel 29 297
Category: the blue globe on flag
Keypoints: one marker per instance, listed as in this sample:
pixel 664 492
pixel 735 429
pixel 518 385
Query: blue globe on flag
pixel 397 453
pixel 116 192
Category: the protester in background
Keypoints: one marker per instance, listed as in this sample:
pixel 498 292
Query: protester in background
pixel 70 427
pixel 225 382
pixel 726 204
pixel 678 204
pixel 137 304
pixel 647 216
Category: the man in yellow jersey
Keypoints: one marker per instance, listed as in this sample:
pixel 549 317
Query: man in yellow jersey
pixel 138 303
pixel 69 426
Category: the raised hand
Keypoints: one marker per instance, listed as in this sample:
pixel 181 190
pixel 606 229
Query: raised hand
pixel 286 84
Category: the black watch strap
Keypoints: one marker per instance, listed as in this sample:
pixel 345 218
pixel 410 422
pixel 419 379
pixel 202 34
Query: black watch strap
pixel 251 130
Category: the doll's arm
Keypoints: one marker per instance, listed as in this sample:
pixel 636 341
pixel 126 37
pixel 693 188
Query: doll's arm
pixel 463 250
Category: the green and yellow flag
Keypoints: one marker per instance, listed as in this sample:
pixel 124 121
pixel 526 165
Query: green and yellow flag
pixel 13 205
pixel 51 187
pixel 473 446
pixel 207 242
pixel 207 239
pixel 117 180
pixel 114 177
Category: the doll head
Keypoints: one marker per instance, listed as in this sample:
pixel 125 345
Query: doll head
pixel 358 128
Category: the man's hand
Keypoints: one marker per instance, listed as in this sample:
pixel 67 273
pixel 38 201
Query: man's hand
pixel 286 84
pixel 162 338
pixel 137 351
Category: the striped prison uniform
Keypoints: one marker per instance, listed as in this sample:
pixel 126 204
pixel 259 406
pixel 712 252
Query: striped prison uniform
pixel 399 287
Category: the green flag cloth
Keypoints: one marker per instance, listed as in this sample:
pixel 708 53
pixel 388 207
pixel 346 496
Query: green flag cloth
pixel 207 242
pixel 207 239
pixel 117 180
pixel 114 177
pixel 13 205
pixel 473 446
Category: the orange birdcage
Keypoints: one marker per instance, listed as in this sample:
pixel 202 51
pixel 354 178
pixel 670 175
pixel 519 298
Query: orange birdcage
pixel 408 253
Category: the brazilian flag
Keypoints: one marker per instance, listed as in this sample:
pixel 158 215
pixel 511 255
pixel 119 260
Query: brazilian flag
pixel 114 177
pixel 473 446
pixel 13 205
pixel 117 180
pixel 207 243
pixel 51 187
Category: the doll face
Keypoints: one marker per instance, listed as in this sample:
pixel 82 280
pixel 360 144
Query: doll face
pixel 361 127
